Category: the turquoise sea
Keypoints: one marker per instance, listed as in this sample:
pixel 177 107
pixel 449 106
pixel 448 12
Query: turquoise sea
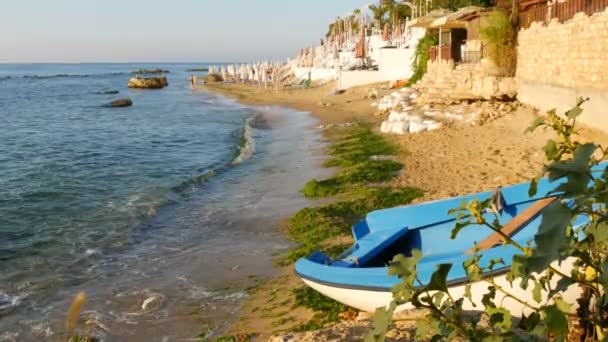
pixel 162 212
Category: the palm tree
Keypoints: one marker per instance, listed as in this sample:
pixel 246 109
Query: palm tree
pixel 380 11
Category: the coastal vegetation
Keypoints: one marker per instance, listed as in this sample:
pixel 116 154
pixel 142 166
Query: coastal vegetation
pixel 559 239
pixel 360 153
pixel 326 310
pixel 499 32
pixel 422 56
pixel 363 158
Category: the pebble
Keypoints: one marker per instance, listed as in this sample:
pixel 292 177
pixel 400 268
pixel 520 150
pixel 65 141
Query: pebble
pixel 149 301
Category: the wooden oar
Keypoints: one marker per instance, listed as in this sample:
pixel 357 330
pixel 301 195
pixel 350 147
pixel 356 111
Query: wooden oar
pixel 515 224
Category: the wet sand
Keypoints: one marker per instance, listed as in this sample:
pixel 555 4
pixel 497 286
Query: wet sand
pixel 455 160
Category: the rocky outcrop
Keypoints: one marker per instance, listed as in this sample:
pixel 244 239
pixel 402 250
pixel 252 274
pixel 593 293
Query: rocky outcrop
pixel 150 71
pixel 213 78
pixel 148 82
pixel 120 103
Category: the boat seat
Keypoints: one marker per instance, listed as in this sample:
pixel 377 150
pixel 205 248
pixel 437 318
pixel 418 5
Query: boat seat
pixel 515 224
pixel 370 245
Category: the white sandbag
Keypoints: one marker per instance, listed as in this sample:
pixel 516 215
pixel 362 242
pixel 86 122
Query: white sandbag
pixel 394 116
pixel 400 127
pixel 416 127
pixel 455 116
pixel 385 127
pixel 415 118
pixel 413 96
pixel 434 126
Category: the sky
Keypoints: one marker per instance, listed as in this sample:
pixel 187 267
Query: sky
pixel 163 30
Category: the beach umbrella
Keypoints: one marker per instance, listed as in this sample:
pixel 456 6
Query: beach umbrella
pixel 385 34
pixel 360 49
pixel 251 76
pixel 399 32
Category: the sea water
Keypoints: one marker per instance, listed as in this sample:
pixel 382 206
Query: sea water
pixel 163 212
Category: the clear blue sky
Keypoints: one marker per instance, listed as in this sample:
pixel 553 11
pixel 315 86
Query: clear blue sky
pixel 162 30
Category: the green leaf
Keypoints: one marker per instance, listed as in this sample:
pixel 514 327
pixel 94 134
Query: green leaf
pixel 603 274
pixel 536 292
pixel 562 285
pixel 488 298
pixel 537 123
pixel 578 164
pixel 426 327
pixel 550 238
pixel 574 112
pixel 500 318
pixel 562 305
pixel 530 322
pixel 459 226
pixel 556 321
pixel 550 149
pixel 494 262
pixel 599 231
pixel 403 266
pixel 471 267
pixel 468 295
pixel 382 319
pixel 533 187
pixel 439 278
pixel 580 100
pixel 438 299
pixel 576 183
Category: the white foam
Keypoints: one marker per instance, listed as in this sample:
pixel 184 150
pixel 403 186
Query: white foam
pixel 247 148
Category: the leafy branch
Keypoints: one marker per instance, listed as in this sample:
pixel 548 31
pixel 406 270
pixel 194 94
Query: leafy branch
pixel 573 231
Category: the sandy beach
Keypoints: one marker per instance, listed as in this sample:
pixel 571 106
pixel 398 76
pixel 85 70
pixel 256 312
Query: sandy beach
pixel 452 161
pixel 455 160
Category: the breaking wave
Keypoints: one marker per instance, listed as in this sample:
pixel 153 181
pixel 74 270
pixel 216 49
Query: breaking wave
pixel 247 145
pixel 245 150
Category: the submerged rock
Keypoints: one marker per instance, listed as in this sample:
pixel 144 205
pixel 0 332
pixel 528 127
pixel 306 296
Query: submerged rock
pixel 148 82
pixel 120 103
pixel 107 92
pixel 150 71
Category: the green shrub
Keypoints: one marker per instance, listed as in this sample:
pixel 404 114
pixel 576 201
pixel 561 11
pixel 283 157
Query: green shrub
pixel 500 36
pixel 422 56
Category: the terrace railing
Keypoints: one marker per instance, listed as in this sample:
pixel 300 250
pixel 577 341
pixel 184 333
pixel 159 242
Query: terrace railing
pixel 562 11
pixel 474 56
pixel 446 52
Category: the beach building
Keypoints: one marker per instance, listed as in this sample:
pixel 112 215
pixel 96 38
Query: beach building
pixel 359 52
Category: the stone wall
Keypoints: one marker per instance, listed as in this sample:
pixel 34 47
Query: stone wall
pixel 446 82
pixel 559 62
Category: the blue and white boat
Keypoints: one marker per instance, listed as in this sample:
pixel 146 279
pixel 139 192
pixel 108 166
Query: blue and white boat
pixel 359 278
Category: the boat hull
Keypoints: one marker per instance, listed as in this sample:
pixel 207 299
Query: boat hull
pixel 370 300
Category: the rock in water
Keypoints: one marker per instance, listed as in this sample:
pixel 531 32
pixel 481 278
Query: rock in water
pixel 120 103
pixel 149 71
pixel 107 92
pixel 148 82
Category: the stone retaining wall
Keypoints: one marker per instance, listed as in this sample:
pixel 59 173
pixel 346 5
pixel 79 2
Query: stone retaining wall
pixel 559 62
